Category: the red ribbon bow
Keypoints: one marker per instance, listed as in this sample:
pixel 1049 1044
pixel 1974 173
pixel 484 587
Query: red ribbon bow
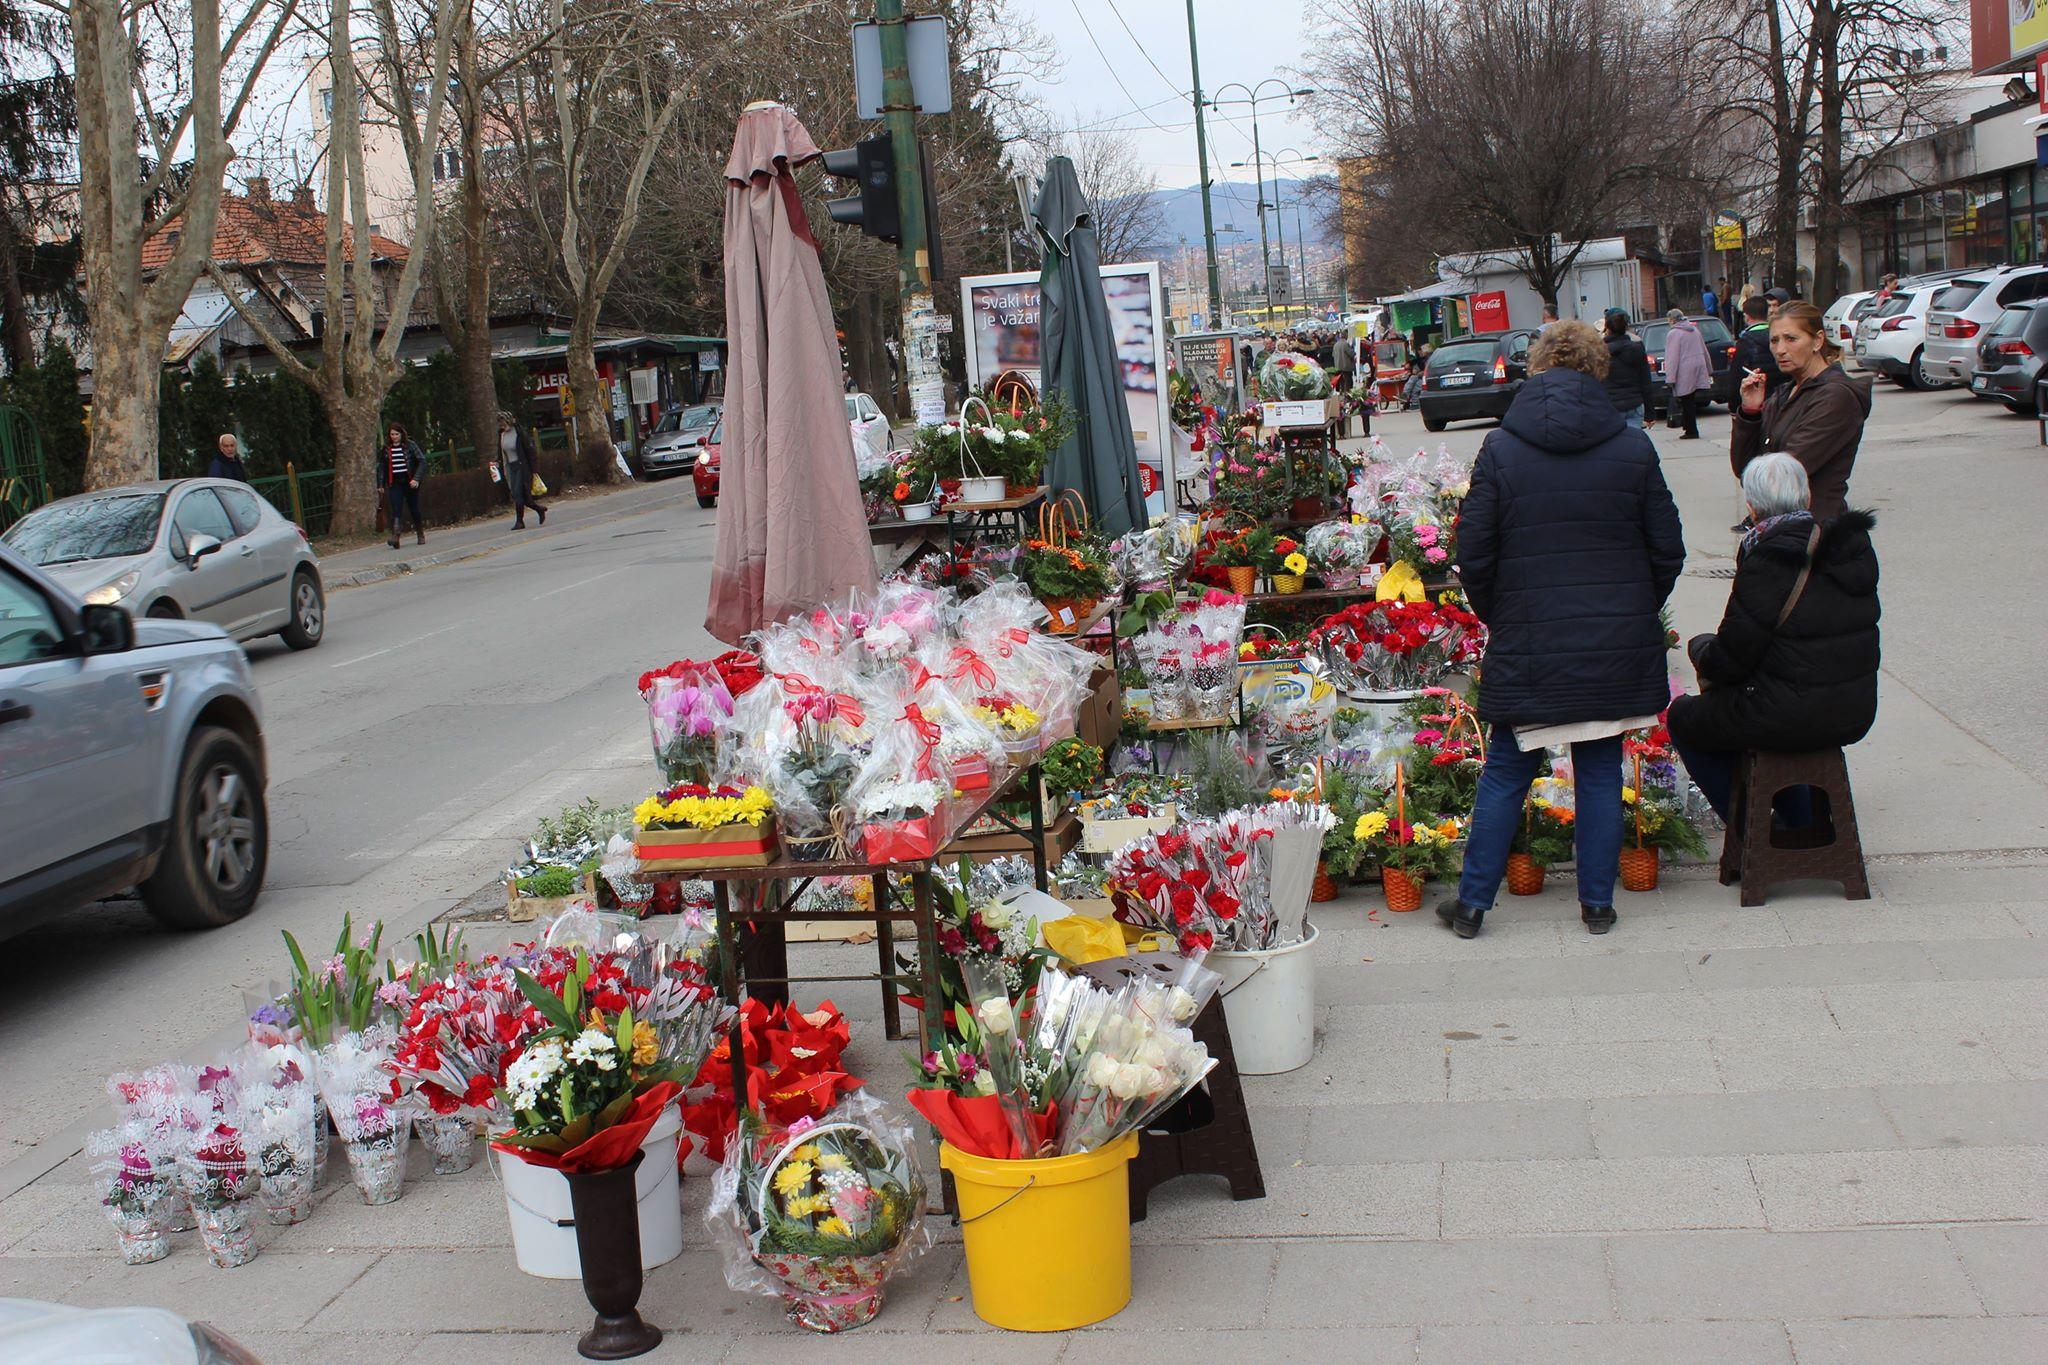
pixel 966 663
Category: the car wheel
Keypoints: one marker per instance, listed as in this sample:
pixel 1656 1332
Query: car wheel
pixel 1917 376
pixel 164 609
pixel 309 612
pixel 703 501
pixel 1434 424
pixel 219 843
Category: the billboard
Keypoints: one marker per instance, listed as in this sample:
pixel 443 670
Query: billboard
pixel 1003 334
pixel 2004 34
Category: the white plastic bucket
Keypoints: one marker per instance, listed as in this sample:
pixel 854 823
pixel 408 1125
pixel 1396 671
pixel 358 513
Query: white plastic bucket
pixel 1269 1001
pixel 917 511
pixel 982 488
pixel 544 1225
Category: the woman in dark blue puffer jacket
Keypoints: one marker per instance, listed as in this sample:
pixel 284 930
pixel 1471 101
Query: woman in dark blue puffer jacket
pixel 1568 545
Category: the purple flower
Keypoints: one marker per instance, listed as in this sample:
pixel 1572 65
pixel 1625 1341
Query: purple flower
pixel 273 1015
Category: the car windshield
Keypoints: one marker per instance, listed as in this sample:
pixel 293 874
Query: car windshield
pixel 1958 296
pixel 1713 331
pixel 1462 353
pixel 1895 305
pixel 1863 308
pixel 88 528
pixel 686 419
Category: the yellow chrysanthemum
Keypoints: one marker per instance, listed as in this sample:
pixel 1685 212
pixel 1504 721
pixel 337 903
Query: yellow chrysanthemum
pixel 804 1205
pixel 833 1161
pixel 792 1177
pixel 835 1227
pixel 646 1047
pixel 1370 825
pixel 807 1152
pixel 1628 796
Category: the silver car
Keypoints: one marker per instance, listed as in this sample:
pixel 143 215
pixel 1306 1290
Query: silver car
pixel 197 549
pixel 671 448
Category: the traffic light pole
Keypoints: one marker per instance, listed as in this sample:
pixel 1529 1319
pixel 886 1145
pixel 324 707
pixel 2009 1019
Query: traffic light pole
pixel 922 375
pixel 1202 169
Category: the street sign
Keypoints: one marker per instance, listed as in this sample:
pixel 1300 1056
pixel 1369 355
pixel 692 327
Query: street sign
pixel 931 69
pixel 1194 322
pixel 1727 231
pixel 568 400
pixel 1279 285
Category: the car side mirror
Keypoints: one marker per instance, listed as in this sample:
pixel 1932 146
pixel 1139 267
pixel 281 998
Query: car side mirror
pixel 107 630
pixel 198 546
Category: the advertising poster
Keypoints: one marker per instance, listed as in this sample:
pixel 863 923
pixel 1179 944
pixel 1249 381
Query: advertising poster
pixel 1004 334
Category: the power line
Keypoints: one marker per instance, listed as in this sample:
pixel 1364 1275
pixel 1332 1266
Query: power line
pixel 1111 68
pixel 1171 83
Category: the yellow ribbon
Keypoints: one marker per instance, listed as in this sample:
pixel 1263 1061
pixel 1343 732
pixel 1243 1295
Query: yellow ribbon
pixel 1400 581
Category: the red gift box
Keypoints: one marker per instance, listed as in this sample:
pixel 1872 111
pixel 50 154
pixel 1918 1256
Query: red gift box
pixel 901 841
pixel 970 772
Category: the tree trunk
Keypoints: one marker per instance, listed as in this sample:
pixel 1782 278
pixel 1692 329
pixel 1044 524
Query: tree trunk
pixel 1827 190
pixel 473 351
pixel 593 462
pixel 358 480
pixel 127 372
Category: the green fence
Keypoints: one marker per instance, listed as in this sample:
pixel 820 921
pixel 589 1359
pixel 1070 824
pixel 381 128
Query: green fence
pixel 307 498
pixel 22 485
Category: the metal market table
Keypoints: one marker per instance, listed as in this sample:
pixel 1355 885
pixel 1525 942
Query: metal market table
pixel 759 956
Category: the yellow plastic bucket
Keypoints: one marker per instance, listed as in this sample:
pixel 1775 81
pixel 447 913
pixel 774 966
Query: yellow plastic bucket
pixel 1048 1242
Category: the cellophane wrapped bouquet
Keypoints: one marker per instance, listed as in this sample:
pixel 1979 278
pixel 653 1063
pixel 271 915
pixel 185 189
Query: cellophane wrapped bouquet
pixel 688 706
pixel 821 1213
pixel 275 1090
pixel 135 1174
pixel 1212 884
pixel 370 1110
pixel 1151 557
pixel 1338 551
pixel 1290 376
pixel 1189 657
pixel 1392 647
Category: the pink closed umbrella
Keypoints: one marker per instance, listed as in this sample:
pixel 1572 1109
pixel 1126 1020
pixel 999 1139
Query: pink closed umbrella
pixel 791 530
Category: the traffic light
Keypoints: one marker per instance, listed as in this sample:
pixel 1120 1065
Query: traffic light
pixel 871 165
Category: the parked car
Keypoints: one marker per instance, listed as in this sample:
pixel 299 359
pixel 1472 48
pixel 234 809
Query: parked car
pixel 131 755
pixel 671 448
pixel 1844 313
pixel 1474 376
pixel 202 549
pixel 2010 355
pixel 1892 340
pixel 1720 354
pixel 705 472
pixel 1965 306
pixel 870 427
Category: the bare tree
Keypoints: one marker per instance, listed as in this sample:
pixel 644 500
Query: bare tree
pixel 1530 126
pixel 1123 189
pixel 152 81
pixel 359 360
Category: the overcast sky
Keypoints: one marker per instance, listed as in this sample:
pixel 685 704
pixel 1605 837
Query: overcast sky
pixel 1243 41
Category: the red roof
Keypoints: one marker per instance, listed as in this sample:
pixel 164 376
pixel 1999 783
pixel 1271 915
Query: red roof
pixel 260 230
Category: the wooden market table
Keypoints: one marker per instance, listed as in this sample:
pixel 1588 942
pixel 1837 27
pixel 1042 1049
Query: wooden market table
pixel 754 952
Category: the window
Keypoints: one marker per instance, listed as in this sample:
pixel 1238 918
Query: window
pixel 199 514
pixel 243 508
pixel 2012 322
pixel 1713 332
pixel 1518 348
pixel 1454 353
pixel 2023 287
pixel 448 165
pixel 1955 297
pixel 868 411
pixel 28 624
pixel 90 528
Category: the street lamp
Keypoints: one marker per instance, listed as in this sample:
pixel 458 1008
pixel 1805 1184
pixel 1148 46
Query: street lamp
pixel 1254 96
pixel 1289 156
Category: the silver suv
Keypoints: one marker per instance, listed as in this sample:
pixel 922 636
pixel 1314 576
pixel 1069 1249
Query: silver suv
pixel 131 755
pixel 1964 308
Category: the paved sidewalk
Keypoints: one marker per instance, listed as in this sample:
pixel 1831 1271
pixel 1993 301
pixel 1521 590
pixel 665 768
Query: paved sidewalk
pixel 376 562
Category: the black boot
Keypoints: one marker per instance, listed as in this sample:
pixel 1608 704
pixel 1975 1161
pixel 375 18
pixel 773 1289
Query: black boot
pixel 1598 919
pixel 543 513
pixel 1461 918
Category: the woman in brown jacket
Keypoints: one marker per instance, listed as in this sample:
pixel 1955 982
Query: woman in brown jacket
pixel 1817 418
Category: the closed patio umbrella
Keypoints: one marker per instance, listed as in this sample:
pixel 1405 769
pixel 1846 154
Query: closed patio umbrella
pixel 791 530
pixel 1099 460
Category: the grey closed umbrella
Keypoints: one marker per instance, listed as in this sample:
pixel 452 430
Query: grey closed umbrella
pixel 1099 460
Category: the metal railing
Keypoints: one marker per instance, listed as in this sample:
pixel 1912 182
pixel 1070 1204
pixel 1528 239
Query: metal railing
pixel 22 485
pixel 306 497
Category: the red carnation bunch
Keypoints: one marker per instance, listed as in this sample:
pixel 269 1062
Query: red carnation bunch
pixel 738 669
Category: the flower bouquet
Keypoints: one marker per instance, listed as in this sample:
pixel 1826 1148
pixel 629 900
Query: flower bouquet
pixel 1654 819
pixel 1070 579
pixel 277 1102
pixel 1286 565
pixel 1017 723
pixel 821 1213
pixel 220 1177
pixel 137 1181
pixel 167 1103
pixel 692 825
pixel 1393 648
pixel 815 774
pixel 688 705
pixel 1152 557
pixel 1408 855
pixel 374 1122
pixel 1338 551
pixel 1288 376
pixel 1544 839
pixel 900 820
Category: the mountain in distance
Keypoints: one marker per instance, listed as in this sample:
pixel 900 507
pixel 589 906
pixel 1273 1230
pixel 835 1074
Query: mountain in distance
pixel 1235 205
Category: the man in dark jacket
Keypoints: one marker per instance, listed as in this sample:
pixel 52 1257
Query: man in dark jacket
pixel 227 463
pixel 1753 346
pixel 1628 371
pixel 1777 679
pixel 1568 546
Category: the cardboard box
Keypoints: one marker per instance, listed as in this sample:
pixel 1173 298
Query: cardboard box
pixel 1306 412
pixel 1101 714
pixel 674 850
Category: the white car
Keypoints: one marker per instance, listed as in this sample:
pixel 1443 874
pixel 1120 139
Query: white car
pixel 1844 313
pixel 1965 306
pixel 870 427
pixel 1892 340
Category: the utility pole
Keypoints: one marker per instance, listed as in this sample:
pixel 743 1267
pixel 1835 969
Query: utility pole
pixel 1202 169
pixel 1254 96
pixel 922 376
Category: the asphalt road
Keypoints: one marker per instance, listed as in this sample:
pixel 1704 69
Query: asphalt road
pixel 450 708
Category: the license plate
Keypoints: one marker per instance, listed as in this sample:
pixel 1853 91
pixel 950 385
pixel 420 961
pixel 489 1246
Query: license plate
pixel 1455 380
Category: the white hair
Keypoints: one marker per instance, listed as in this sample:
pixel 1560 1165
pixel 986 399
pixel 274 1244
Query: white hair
pixel 1775 484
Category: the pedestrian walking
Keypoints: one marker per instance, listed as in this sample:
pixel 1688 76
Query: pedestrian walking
pixel 1568 545
pixel 1794 663
pixel 1710 302
pixel 519 463
pixel 1816 417
pixel 1628 370
pixel 1688 371
pixel 402 462
pixel 227 460
pixel 1344 358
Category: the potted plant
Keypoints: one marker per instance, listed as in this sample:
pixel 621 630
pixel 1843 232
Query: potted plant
pixel 1070 766
pixel 1243 556
pixel 1018 724
pixel 915 490
pixel 1543 839
pixel 815 776
pixel 1655 822
pixel 1408 855
pixel 1070 579
pixel 1286 565
pixel 694 826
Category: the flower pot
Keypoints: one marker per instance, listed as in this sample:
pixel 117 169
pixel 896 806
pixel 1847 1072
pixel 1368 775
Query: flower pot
pixel 1324 888
pixel 828 1293
pixel 1269 1000
pixel 1525 875
pixel 542 1217
pixel 608 1247
pixel 450 1139
pixel 1402 890
pixel 1068 613
pixel 1639 869
pixel 1244 579
pixel 1309 507
pixel 230 1239
pixel 984 488
pixel 1287 584
pixel 916 511
pixel 378 1166
pixel 142 1236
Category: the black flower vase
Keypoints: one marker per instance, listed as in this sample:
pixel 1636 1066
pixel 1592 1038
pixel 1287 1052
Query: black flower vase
pixel 607 1209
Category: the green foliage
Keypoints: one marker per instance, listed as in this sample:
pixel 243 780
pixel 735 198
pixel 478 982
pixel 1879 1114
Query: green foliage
pixel 427 401
pixel 1222 774
pixel 1347 792
pixel 1071 765
pixel 1546 834
pixel 549 882
pixel 1145 608
pixel 1250 550
pixel 49 394
pixel 1077 570
pixel 281 421
pixel 585 822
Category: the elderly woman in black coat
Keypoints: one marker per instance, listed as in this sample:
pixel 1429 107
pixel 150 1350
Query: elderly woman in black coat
pixel 1568 545
pixel 1794 664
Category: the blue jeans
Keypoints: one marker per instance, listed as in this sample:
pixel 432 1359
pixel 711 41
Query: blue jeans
pixel 1504 788
pixel 1633 416
pixel 1713 772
